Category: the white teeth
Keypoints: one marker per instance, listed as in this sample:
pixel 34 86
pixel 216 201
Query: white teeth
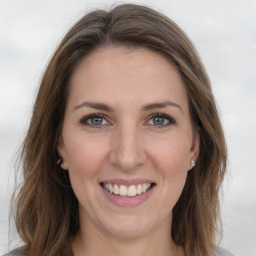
pixel 127 190
pixel 123 190
pixel 116 190
pixel 139 189
pixel 144 188
pixel 132 191
pixel 111 189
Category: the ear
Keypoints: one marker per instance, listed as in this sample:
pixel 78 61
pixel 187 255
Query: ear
pixel 195 148
pixel 62 153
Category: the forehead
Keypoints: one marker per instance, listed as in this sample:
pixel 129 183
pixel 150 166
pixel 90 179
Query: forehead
pixel 129 74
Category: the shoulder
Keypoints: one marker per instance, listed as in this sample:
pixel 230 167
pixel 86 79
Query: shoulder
pixel 222 252
pixel 15 252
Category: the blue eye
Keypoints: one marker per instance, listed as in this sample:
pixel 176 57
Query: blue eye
pixel 161 120
pixel 95 120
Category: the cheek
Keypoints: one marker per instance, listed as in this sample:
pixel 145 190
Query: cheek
pixel 173 169
pixel 84 160
pixel 172 154
pixel 84 156
pixel 171 160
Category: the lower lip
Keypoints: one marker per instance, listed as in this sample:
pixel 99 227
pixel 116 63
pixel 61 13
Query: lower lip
pixel 127 201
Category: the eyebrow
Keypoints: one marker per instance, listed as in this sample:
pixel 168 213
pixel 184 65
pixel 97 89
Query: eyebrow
pixel 161 105
pixel 94 105
pixel 102 106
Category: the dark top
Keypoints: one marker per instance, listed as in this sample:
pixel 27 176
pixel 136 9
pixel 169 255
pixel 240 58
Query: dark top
pixel 16 252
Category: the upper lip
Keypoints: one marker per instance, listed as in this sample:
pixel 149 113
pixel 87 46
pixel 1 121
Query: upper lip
pixel 127 182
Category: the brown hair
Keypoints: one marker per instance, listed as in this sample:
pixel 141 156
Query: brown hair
pixel 46 207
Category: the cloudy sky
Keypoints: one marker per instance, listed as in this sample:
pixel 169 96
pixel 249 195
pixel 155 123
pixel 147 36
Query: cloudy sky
pixel 224 32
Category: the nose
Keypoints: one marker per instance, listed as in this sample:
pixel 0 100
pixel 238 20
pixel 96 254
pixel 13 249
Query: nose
pixel 127 150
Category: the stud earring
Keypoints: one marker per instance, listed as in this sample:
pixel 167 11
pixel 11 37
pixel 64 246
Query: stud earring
pixel 59 161
pixel 192 163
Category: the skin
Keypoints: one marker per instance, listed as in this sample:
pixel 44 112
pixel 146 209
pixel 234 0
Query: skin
pixel 127 143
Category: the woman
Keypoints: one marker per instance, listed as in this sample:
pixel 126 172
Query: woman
pixel 125 153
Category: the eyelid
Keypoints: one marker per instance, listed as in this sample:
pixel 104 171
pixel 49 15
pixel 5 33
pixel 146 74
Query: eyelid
pixel 163 115
pixel 87 117
pixel 83 120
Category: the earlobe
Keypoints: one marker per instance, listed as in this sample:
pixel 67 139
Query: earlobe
pixel 64 165
pixel 62 154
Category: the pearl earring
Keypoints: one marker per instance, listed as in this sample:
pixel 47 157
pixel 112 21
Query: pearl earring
pixel 192 163
pixel 59 161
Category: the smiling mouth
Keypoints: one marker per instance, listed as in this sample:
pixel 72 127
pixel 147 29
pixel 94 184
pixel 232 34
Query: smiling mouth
pixel 127 191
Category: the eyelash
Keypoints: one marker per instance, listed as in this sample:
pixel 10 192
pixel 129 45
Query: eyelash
pixel 86 118
pixel 171 121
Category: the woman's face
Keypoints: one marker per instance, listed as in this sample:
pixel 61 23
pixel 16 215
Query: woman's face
pixel 127 141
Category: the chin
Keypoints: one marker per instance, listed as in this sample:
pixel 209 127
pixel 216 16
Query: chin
pixel 129 227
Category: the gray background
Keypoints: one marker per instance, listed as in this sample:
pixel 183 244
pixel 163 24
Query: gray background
pixel 224 32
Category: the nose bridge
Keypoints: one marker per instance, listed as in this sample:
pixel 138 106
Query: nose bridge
pixel 127 150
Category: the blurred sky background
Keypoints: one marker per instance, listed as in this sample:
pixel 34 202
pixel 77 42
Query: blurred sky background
pixel 223 31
